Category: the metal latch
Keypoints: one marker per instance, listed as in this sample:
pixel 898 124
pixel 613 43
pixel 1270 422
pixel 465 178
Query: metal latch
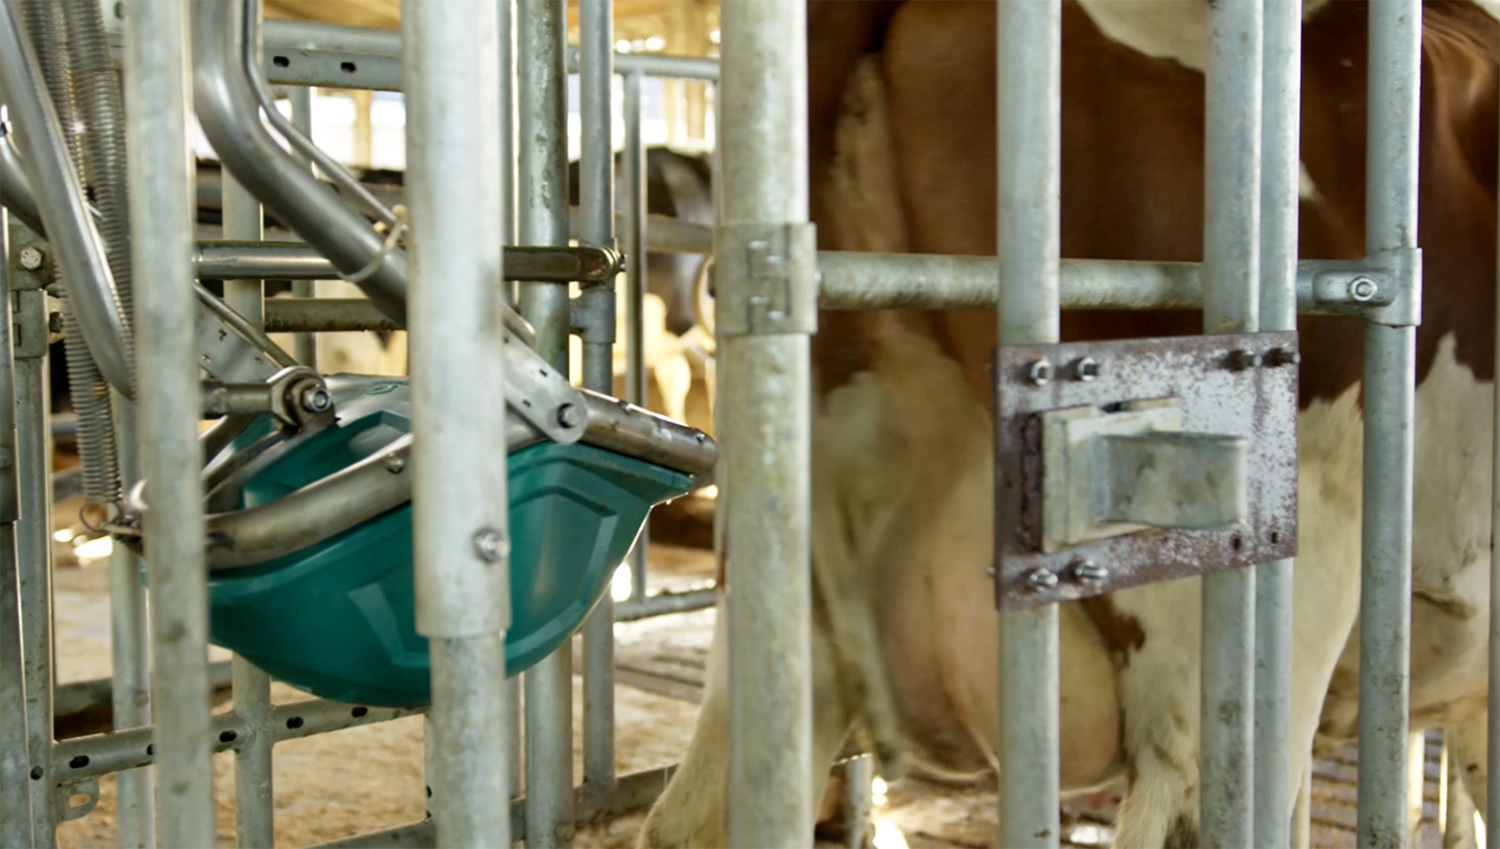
pixel 758 293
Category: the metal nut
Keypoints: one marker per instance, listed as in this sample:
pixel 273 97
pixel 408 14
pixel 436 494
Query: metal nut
pixel 491 545
pixel 1085 368
pixel 315 399
pixel 570 415
pixel 1087 571
pixel 395 464
pixel 1041 580
pixel 1241 360
pixel 31 258
pixel 1284 357
pixel 1039 372
pixel 1363 289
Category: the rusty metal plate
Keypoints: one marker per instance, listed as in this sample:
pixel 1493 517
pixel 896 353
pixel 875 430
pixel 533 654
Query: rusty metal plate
pixel 1219 390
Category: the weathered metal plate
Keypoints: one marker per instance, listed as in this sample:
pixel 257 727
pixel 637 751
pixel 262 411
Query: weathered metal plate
pixel 1217 393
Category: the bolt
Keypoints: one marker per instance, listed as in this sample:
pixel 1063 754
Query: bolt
pixel 491 545
pixel 54 322
pixel 1085 368
pixel 315 399
pixel 395 464
pixel 31 258
pixel 1041 580
pixel 1085 570
pixel 1039 373
pixel 570 415
pixel 5 459
pixel 1284 357
pixel 1240 359
pixel 1363 289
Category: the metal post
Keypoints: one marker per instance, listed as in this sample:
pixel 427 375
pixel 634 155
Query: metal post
pixel 859 776
pixel 634 166
pixel 1231 304
pixel 460 515
pixel 1492 718
pixel 543 219
pixel 1028 159
pixel 1389 406
pixel 305 345
pixel 510 221
pixel 596 201
pixel 130 649
pixel 15 790
pixel 161 216
pixel 764 397
pixel 1280 169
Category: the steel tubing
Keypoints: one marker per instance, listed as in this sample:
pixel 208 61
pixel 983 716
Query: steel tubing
pixel 634 165
pixel 1231 304
pixel 460 517
pixel 64 209
pixel 1029 104
pixel 225 259
pixel 304 345
pixel 1280 169
pixel 15 186
pixel 764 403
pixel 1395 37
pixel 130 684
pixel 162 215
pixel 1491 801
pixel 15 784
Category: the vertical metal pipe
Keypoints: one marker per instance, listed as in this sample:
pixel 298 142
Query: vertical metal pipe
pixel 130 649
pixel 305 345
pixel 15 792
pixel 508 229
pixel 634 166
pixel 1231 304
pixel 460 517
pixel 858 794
pixel 597 227
pixel 764 396
pixel 1280 169
pixel 1395 36
pixel 1492 787
pixel 543 220
pixel 1028 158
pixel 161 216
pixel 34 552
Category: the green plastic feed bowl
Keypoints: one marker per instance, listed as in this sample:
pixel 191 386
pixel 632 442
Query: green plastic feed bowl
pixel 337 619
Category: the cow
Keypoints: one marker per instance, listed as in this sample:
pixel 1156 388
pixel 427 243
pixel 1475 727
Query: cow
pixel 904 633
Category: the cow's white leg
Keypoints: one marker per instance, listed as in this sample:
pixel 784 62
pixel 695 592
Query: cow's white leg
pixel 1467 740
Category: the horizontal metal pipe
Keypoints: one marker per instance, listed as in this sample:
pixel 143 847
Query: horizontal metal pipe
pixel 663 604
pixel 280 33
pixel 228 260
pixel 628 429
pixel 117 751
pixel 657 65
pixel 15 186
pixel 333 315
pixel 235 399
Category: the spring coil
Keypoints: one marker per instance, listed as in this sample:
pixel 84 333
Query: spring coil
pixel 48 33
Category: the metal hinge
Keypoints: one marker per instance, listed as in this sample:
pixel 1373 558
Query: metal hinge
pixel 773 288
pixel 1384 288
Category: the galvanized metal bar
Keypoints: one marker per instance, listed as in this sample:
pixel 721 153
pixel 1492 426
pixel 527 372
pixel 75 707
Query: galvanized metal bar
pixel 542 219
pixel 304 345
pixel 1279 199
pixel 663 604
pixel 34 553
pixel 596 200
pixel 663 65
pixel 764 406
pixel 636 269
pixel 130 690
pixel 1028 159
pixel 15 790
pixel 161 215
pixel 858 797
pixel 460 518
pixel 510 228
pixel 1395 37
pixel 1231 304
pixel 1492 719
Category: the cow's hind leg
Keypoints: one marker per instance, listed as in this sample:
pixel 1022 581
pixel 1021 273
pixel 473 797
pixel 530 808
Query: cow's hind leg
pixel 1467 744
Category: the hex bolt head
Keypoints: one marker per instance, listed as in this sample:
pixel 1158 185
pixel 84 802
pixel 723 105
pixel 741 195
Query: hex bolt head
pixel 395 464
pixel 1041 580
pixel 1087 571
pixel 491 545
pixel 1363 289
pixel 570 415
pixel 315 399
pixel 54 322
pixel 1085 368
pixel 1284 357
pixel 1242 360
pixel 31 258
pixel 1039 372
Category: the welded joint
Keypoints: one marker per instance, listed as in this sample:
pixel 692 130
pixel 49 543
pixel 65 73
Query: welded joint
pixel 591 315
pixel 1383 288
pixel 766 279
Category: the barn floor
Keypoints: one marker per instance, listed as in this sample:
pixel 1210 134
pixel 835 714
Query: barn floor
pixel 363 779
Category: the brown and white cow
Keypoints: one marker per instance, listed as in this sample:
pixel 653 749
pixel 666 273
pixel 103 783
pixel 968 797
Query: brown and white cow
pixel 904 632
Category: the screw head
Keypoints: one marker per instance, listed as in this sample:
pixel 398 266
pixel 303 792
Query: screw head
pixel 570 415
pixel 1285 357
pixel 1085 368
pixel 491 545
pixel 1039 372
pixel 31 258
pixel 1087 571
pixel 54 322
pixel 1241 360
pixel 315 399
pixel 1041 580
pixel 395 464
pixel 1363 289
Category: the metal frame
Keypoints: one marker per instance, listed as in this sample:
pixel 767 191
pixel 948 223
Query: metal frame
pixel 1250 281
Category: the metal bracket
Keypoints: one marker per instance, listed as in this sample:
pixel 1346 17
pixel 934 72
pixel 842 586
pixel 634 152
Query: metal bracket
pixel 1383 288
pixel 1130 462
pixel 542 395
pixel 29 324
pixel 63 794
pixel 592 314
pixel 226 355
pixel 773 290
